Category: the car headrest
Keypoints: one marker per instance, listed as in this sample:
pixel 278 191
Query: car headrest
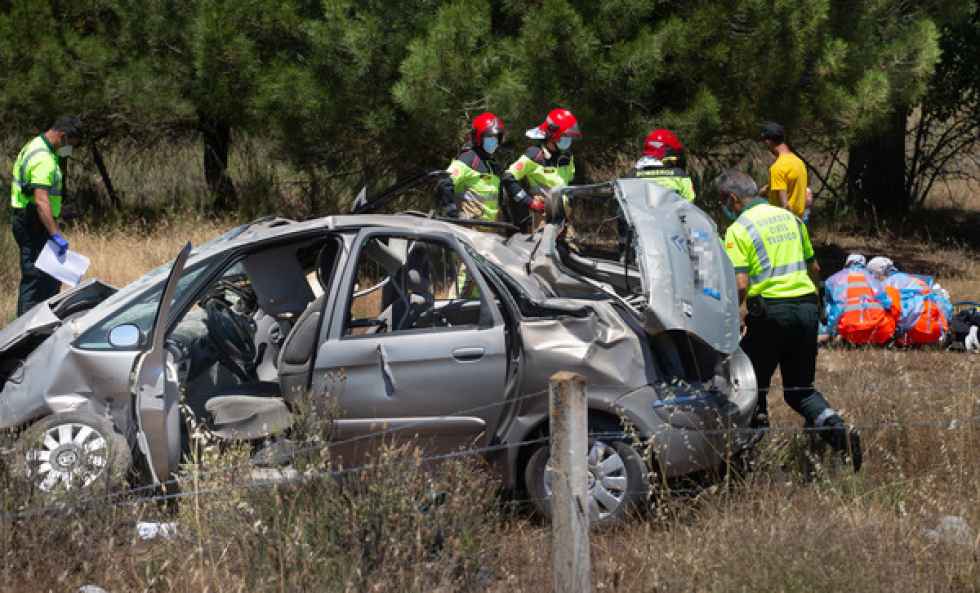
pixel 415 281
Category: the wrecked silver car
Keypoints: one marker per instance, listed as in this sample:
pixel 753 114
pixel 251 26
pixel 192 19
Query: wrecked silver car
pixel 430 329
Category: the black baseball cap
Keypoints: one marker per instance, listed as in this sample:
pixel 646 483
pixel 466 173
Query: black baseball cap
pixel 773 131
pixel 68 124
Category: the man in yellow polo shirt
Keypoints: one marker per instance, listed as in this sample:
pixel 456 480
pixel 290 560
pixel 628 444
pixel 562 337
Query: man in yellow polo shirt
pixel 787 175
pixel 776 272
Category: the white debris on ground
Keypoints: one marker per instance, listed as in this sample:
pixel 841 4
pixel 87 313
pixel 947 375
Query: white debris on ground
pixel 91 589
pixel 952 530
pixel 148 530
pixel 274 474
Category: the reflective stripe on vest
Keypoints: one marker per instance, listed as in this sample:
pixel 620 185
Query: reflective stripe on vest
pixel 661 172
pixel 27 187
pixel 760 250
pixel 862 306
pixel 865 298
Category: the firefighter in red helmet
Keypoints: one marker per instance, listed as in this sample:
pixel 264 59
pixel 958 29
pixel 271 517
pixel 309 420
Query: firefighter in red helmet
pixel 472 189
pixel 663 163
pixel 545 166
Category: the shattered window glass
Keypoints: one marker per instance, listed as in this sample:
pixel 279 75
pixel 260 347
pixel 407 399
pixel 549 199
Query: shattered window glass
pixel 596 227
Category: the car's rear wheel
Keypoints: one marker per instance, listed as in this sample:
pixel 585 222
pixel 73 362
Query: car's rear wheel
pixel 617 479
pixel 74 450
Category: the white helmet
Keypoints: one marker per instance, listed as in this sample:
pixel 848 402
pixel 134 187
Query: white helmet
pixel 881 266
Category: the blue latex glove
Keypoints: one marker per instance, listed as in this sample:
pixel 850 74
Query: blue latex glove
pixel 61 242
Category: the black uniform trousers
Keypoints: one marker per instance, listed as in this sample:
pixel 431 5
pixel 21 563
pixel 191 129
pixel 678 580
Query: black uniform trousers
pixel 30 234
pixel 783 333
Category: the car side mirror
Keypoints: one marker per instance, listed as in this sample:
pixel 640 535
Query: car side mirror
pixel 124 336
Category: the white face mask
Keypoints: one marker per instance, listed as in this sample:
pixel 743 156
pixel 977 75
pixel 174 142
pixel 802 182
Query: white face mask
pixel 490 144
pixel 564 143
pixel 65 151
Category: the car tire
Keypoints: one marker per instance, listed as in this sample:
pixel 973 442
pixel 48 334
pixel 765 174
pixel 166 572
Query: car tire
pixel 621 460
pixel 74 450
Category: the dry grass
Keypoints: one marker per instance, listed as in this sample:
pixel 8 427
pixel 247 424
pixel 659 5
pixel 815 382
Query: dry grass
pixel 119 255
pixel 955 266
pixel 770 531
pixel 840 533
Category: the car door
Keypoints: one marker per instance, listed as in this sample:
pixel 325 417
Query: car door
pixel 414 374
pixel 155 389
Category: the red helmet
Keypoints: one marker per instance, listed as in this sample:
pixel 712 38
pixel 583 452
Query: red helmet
pixel 661 143
pixel 486 124
pixel 560 122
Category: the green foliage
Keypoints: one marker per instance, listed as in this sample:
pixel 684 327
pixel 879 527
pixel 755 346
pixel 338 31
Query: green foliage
pixel 370 91
pixel 54 56
pixel 449 75
pixel 955 86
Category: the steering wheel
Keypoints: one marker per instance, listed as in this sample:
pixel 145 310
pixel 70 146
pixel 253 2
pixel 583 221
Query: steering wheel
pixel 231 334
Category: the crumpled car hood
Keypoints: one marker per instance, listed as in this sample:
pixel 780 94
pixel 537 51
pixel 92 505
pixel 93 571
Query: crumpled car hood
pixel 45 317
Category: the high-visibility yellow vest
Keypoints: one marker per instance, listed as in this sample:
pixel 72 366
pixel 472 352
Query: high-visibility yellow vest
pixel 773 247
pixel 481 189
pixel 673 178
pixel 543 170
pixel 37 167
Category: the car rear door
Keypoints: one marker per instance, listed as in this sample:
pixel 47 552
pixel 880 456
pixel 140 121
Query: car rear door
pixel 156 390
pixel 438 374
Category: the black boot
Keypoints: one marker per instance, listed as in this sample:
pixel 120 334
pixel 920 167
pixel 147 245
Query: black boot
pixel 844 439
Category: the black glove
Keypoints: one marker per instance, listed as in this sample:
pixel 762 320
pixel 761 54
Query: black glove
pixel 445 197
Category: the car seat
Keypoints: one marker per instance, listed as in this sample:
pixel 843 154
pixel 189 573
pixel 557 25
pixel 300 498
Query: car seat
pixel 297 354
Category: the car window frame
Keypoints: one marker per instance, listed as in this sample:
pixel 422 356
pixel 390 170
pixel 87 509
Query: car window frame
pixel 219 264
pixel 237 256
pixel 341 306
pixel 176 308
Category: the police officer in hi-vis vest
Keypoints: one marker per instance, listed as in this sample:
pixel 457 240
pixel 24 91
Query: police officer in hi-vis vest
pixel 35 197
pixel 472 189
pixel 776 273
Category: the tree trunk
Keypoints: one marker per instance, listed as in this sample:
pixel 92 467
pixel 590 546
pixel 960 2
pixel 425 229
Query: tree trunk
pixel 876 169
pixel 114 201
pixel 217 143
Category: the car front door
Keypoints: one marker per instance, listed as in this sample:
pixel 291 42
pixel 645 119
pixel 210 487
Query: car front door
pixel 417 342
pixel 156 390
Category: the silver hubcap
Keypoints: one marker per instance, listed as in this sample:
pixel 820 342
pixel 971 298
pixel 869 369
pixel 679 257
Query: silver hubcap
pixel 607 480
pixel 70 455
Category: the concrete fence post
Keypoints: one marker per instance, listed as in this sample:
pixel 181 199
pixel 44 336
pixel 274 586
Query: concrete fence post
pixel 571 562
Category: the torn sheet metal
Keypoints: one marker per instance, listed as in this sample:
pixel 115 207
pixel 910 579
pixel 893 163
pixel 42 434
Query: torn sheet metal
pixel 688 278
pixel 601 347
pixel 45 317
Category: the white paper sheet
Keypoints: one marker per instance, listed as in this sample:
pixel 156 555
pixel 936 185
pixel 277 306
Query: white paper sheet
pixel 68 268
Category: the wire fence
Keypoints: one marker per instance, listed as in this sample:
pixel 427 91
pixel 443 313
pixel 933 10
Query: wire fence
pixel 673 394
pixel 401 428
pixel 121 498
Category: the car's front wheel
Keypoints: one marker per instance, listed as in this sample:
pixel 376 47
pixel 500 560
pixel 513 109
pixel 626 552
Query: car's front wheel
pixel 617 479
pixel 74 450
